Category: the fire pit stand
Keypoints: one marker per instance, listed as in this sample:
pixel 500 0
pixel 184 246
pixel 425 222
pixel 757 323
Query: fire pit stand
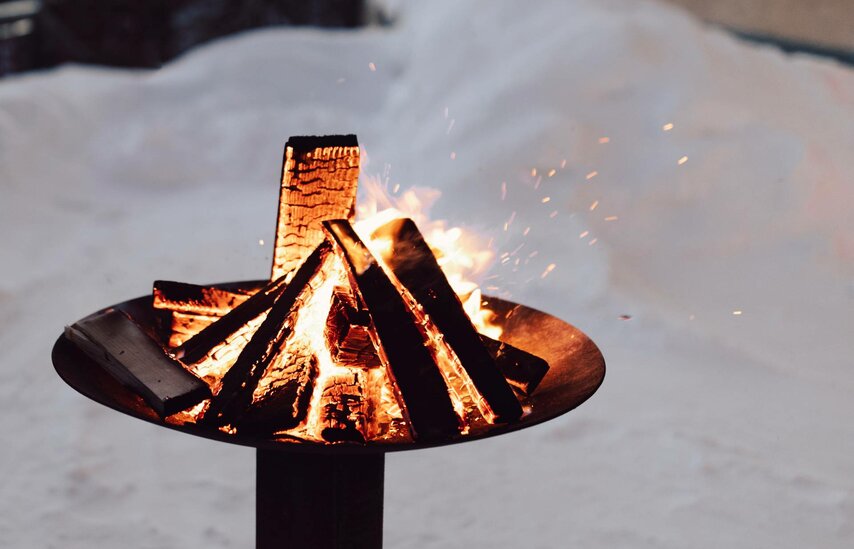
pixel 325 496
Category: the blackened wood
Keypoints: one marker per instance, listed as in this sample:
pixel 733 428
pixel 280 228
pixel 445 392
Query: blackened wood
pixel 414 265
pixel 344 411
pixel 522 370
pixel 319 180
pixel 131 356
pixel 285 407
pixel 196 299
pixel 319 501
pixel 201 344
pixel 348 335
pixel 402 346
pixel 239 383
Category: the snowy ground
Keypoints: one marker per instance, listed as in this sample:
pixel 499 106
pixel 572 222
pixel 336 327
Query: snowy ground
pixel 712 429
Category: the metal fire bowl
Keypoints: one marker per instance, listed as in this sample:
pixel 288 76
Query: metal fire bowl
pixel 576 370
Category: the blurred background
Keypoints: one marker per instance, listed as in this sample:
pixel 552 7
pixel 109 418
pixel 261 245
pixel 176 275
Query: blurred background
pixel 674 178
pixel 127 33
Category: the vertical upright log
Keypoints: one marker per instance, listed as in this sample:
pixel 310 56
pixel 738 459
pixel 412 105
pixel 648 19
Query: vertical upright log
pixel 319 180
pixel 318 501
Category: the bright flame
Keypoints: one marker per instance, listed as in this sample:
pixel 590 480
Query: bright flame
pixel 462 254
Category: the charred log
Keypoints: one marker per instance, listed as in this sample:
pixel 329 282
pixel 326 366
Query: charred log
pixel 415 267
pixel 344 413
pixel 402 346
pixel 287 403
pixel 189 308
pixel 116 343
pixel 348 333
pixel 264 347
pixel 201 345
pixel 319 180
pixel 522 370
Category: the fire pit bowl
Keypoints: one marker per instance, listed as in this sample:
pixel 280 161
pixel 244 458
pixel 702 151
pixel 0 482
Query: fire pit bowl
pixel 577 368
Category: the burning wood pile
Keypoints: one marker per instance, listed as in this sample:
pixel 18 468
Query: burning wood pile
pixel 358 337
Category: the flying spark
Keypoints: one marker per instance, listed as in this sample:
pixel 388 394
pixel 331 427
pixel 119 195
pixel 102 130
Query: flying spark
pixel 546 199
pixel 603 140
pixel 737 312
pixel 453 156
pixel 667 127
pixel 549 269
pixel 372 67
pixel 682 160
pixel 503 190
pixel 533 172
pixel 552 172
pixel 584 234
pixel 591 175
pixel 260 241
pixel 593 206
pixel 611 218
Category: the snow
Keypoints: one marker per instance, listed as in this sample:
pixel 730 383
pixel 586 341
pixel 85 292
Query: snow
pixel 712 429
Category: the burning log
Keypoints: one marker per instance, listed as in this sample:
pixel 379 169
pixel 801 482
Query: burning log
pixel 202 344
pixel 288 399
pixel 344 413
pixel 415 267
pixel 265 347
pixel 195 299
pixel 116 343
pixel 191 308
pixel 319 180
pixel 348 334
pixel 402 346
pixel 522 370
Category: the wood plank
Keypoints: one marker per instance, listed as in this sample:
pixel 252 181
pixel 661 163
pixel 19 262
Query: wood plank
pixel 202 344
pixel 188 309
pixel 521 369
pixel 319 180
pixel 413 264
pixel 402 346
pixel 116 343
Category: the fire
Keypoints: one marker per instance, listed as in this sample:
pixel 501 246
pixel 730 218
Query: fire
pixel 352 349
pixel 462 254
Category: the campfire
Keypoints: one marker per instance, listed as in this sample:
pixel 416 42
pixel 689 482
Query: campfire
pixel 357 338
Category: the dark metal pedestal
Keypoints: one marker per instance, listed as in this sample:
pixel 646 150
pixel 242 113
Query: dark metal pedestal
pixel 318 501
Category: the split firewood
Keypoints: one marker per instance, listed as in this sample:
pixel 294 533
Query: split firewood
pixel 348 333
pixel 402 346
pixel 190 308
pixel 319 180
pixel 127 353
pixel 522 370
pixel 266 346
pixel 344 412
pixel 287 400
pixel 413 264
pixel 204 343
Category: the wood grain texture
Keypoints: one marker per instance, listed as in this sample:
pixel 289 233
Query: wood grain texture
pixel 319 180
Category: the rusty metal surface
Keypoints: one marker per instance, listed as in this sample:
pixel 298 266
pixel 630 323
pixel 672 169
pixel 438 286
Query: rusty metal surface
pixel 577 369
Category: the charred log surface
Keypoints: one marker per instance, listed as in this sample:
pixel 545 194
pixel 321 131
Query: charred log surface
pixel 189 308
pixel 287 403
pixel 116 343
pixel 348 334
pixel 414 265
pixel 319 180
pixel 522 370
pixel 402 346
pixel 195 299
pixel 344 413
pixel 200 345
pixel 266 344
